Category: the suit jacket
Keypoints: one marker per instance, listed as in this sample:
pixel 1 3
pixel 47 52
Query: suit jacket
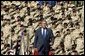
pixel 40 42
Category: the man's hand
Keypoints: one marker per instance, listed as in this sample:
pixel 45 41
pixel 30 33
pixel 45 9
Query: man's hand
pixel 51 52
pixel 35 49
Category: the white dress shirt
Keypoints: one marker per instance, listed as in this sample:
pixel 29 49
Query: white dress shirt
pixel 42 31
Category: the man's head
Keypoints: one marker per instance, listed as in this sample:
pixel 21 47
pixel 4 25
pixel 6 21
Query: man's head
pixel 43 23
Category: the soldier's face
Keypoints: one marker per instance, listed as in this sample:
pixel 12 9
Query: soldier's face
pixel 43 24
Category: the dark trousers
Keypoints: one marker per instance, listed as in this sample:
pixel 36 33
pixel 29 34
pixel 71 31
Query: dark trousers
pixel 43 51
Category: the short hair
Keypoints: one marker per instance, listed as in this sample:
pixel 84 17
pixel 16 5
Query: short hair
pixel 40 22
pixel 43 20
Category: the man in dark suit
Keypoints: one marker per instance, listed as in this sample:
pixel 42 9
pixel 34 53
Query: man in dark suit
pixel 43 38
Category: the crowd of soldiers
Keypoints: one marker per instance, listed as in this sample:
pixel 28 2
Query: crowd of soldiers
pixel 20 19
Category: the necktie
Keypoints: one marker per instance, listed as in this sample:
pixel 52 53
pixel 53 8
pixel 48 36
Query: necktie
pixel 44 33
